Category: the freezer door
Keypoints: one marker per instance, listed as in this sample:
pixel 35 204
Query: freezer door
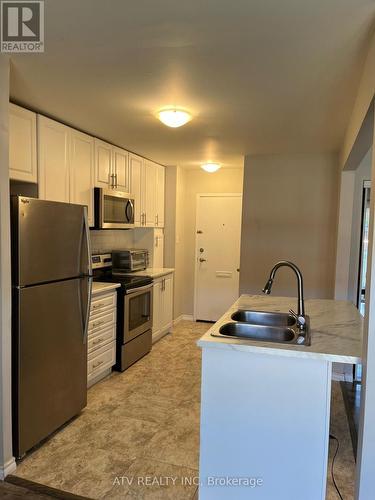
pixel 50 241
pixel 49 359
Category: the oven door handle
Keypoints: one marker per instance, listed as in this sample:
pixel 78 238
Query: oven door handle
pixel 139 289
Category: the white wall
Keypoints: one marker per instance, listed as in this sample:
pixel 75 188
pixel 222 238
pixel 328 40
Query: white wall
pixel 226 180
pixel 362 174
pixel 174 245
pixel 290 207
pixel 349 229
pixel 344 234
pixel 362 103
pixel 7 463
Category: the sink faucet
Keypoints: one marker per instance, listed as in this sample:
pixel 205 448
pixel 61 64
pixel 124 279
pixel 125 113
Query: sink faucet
pixel 300 315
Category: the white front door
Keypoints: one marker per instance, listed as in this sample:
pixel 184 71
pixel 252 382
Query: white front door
pixel 217 254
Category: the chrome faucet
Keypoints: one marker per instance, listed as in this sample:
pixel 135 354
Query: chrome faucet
pixel 300 315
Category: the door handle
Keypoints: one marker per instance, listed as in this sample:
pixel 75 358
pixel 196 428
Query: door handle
pixel 86 313
pixel 202 260
pixel 112 176
pixel 129 212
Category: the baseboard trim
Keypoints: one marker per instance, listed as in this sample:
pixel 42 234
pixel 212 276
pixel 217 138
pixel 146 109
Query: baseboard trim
pixel 188 317
pixel 156 337
pixel 183 317
pixel 7 468
pixel 177 320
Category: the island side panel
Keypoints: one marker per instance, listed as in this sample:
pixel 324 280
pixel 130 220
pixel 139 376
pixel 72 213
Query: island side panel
pixel 263 417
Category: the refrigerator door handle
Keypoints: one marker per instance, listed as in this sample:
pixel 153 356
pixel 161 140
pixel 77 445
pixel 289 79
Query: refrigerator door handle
pixel 86 311
pixel 88 243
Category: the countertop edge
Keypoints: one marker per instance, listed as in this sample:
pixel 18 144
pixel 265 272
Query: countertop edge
pixel 155 272
pixel 278 351
pixel 104 287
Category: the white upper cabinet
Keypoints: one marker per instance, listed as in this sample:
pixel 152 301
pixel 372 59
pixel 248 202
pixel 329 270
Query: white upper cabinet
pixel 148 184
pixel 111 167
pixel 160 190
pixel 121 169
pixel 68 164
pixel 53 152
pixel 82 171
pixel 22 144
pixel 135 171
pixel 103 165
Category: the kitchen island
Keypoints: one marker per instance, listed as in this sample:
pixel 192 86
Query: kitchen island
pixel 266 406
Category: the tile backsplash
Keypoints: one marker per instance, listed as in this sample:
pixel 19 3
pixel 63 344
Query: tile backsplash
pixel 150 239
pixel 111 240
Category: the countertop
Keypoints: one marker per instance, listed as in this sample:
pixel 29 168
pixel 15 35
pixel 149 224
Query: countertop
pixel 98 287
pixel 154 272
pixel 336 329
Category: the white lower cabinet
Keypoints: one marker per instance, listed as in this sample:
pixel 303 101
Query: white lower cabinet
pixel 163 306
pixel 101 339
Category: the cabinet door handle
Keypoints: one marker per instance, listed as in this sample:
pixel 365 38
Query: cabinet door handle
pixel 97 323
pixel 112 176
pixel 97 341
pixel 98 363
pixel 100 304
pixel 116 183
pixel 157 219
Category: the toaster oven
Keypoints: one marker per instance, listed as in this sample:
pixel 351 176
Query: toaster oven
pixel 129 260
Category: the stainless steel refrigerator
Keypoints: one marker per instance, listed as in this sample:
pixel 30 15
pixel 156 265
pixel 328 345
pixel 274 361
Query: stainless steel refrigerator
pixel 51 278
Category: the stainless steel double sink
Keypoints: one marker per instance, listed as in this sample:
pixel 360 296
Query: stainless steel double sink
pixel 265 327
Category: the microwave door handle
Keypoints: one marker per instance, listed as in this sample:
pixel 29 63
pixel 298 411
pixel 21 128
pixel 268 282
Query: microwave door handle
pixel 129 205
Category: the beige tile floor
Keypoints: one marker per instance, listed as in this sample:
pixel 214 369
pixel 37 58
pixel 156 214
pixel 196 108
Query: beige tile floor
pixel 144 424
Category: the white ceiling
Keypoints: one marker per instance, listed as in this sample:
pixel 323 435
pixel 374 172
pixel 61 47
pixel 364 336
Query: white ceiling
pixel 259 76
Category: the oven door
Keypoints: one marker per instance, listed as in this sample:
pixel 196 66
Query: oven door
pixel 137 312
pixel 114 209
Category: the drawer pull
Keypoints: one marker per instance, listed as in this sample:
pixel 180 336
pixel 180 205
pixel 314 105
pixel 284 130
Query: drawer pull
pixel 95 306
pixel 97 341
pixel 98 363
pixel 98 323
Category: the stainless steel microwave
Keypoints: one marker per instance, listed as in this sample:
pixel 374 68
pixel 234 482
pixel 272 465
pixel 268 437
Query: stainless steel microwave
pixel 113 209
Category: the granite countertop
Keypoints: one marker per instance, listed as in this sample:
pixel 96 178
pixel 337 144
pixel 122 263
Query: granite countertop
pixel 154 272
pixel 336 329
pixel 98 287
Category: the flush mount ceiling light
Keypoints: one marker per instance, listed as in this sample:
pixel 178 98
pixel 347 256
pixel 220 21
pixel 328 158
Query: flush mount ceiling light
pixel 174 117
pixel 211 167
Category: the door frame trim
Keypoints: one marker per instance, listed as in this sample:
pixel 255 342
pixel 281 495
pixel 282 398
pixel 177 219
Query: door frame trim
pixel 197 199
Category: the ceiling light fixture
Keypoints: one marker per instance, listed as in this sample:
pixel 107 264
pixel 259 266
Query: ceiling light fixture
pixel 174 117
pixel 211 167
